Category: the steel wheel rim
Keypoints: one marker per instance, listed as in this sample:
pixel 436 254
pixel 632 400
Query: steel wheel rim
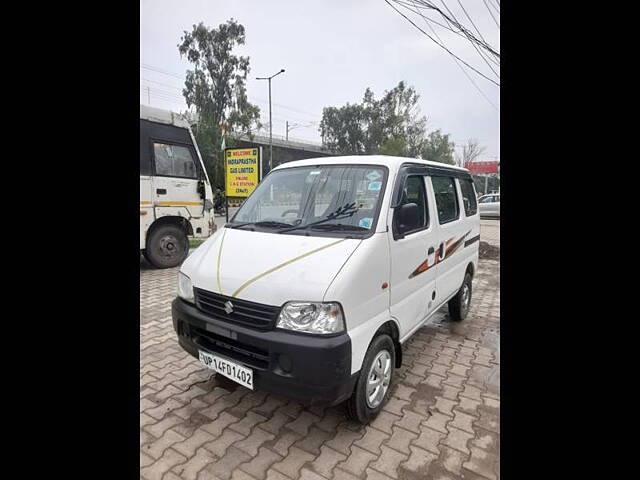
pixel 169 246
pixel 378 379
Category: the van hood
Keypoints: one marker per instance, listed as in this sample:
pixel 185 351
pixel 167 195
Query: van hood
pixel 268 268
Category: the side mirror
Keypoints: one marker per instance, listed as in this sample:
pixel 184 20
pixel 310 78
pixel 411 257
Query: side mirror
pixel 408 218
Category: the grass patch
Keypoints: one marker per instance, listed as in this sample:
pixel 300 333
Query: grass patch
pixel 196 242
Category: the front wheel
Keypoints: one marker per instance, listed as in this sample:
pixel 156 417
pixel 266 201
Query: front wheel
pixel 372 388
pixel 167 246
pixel 459 305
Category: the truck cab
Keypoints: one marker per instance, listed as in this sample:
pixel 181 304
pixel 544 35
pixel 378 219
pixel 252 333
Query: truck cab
pixel 175 193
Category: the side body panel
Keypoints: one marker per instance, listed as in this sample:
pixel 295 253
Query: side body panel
pixel 358 287
pixel 413 281
pixel 147 215
pixel 457 252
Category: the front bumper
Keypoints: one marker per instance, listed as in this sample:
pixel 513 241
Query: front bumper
pixel 313 370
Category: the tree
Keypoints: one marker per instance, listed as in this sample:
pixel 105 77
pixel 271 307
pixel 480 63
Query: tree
pixel 392 125
pixel 438 148
pixel 470 152
pixel 216 88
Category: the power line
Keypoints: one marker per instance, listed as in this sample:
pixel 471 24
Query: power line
pixel 442 46
pixel 455 23
pixel 473 43
pixel 463 70
pixel 165 72
pixel 491 13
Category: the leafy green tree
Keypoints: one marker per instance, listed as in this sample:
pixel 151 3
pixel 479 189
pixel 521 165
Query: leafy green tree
pixel 392 122
pixel 438 148
pixel 216 89
pixel 391 125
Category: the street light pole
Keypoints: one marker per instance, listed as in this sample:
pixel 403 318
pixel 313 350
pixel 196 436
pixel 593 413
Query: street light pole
pixel 270 118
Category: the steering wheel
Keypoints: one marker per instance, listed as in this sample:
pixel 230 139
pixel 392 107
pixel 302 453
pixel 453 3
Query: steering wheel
pixel 286 212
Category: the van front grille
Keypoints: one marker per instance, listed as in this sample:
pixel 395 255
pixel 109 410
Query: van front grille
pixel 242 311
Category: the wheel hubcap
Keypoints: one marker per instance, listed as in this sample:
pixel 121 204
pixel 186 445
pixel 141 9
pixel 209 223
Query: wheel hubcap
pixel 378 379
pixel 169 246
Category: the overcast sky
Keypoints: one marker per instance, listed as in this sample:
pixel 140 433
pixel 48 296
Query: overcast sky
pixel 332 51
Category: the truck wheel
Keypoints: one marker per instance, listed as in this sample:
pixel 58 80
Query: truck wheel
pixel 167 246
pixel 459 305
pixel 372 388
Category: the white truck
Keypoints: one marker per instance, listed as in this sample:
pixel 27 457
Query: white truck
pixel 175 193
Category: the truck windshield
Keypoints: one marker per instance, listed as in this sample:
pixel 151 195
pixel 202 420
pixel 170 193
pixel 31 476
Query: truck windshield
pixel 341 199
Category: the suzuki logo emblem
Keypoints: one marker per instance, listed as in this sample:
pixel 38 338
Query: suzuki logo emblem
pixel 228 307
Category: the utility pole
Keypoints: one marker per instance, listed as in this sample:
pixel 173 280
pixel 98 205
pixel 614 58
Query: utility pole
pixel 270 118
pixel 287 136
pixel 148 96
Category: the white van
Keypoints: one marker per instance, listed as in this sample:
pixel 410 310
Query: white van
pixel 325 270
pixel 175 194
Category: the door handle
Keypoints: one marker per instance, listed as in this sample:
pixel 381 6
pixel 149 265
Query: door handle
pixel 441 250
pixel 430 251
pixel 161 191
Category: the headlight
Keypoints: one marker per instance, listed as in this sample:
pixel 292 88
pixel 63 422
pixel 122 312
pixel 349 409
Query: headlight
pixel 185 289
pixel 310 317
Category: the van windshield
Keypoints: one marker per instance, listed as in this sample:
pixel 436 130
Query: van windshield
pixel 340 199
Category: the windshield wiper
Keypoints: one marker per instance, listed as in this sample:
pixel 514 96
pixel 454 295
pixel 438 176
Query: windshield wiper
pixel 345 211
pixel 338 226
pixel 267 223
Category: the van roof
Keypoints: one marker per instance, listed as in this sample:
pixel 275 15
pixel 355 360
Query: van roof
pixel 393 163
pixel 160 115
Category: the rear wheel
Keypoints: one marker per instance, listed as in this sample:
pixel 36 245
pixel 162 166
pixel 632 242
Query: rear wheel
pixel 459 305
pixel 372 388
pixel 167 246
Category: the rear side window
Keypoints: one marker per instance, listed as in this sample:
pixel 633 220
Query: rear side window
pixel 468 197
pixel 488 199
pixel 444 189
pixel 174 161
pixel 414 192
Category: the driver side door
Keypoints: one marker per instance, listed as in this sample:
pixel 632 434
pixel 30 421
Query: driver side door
pixel 413 280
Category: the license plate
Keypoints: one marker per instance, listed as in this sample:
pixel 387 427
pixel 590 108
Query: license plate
pixel 237 373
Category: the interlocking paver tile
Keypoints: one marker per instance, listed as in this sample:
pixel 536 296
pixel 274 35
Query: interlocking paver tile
pixel 224 467
pixel 419 461
pixel 357 461
pixel 313 440
pixel 372 440
pixel 220 445
pixel 293 462
pixel 189 470
pixel 301 424
pixel 442 421
pixel 482 463
pixel 156 470
pixel 401 439
pixel 327 460
pixel 252 443
pixel 283 442
pixel 389 461
pixel 260 463
pixel 457 439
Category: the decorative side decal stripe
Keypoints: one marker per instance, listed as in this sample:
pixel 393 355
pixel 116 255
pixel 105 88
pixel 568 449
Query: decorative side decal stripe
pixel 450 247
pixel 472 240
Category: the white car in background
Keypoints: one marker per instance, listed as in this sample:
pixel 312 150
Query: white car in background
pixel 489 205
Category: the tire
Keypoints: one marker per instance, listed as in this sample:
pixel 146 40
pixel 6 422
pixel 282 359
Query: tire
pixel 460 304
pixel 167 246
pixel 358 408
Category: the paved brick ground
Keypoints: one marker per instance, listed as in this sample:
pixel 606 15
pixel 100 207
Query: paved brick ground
pixel 442 422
